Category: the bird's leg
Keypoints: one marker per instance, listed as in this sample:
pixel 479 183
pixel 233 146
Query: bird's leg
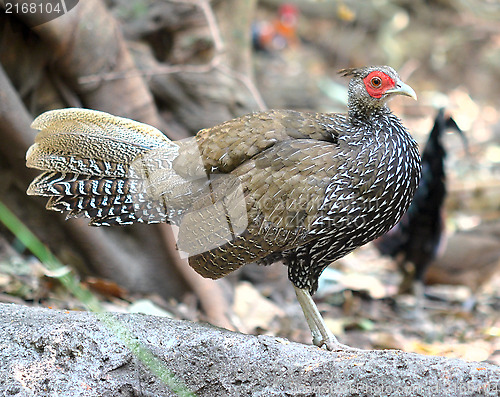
pixel 419 291
pixel 320 332
pixel 470 303
pixel 421 317
pixel 310 313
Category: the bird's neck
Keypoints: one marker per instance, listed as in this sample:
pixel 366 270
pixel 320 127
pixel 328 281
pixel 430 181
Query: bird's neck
pixel 380 127
pixel 365 114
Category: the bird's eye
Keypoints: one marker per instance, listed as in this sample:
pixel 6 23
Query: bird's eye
pixel 376 82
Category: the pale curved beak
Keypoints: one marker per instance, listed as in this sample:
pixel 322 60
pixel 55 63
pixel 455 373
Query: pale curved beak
pixel 403 89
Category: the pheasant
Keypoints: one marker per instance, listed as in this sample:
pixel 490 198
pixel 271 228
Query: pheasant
pixel 279 185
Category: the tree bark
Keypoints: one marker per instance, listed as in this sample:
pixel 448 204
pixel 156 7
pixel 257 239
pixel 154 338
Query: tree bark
pixel 48 352
pixel 87 42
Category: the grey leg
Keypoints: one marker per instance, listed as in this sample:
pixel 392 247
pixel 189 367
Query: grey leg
pixel 320 332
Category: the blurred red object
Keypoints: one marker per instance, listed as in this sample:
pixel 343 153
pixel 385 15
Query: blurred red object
pixel 279 34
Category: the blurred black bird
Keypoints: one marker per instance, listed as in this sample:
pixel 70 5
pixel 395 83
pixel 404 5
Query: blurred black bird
pixel 416 240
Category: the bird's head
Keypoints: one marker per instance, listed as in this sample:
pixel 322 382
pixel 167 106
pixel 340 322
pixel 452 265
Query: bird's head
pixel 371 87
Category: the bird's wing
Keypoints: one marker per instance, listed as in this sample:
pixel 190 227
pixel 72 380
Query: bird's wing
pixel 223 148
pixel 269 204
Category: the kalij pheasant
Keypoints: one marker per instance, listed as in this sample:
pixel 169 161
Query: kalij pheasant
pixel 280 185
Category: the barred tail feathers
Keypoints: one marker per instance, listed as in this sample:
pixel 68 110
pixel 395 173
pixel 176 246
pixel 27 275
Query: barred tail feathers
pixel 84 140
pixel 96 166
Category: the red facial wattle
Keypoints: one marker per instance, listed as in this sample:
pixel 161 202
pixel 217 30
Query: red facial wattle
pixel 377 83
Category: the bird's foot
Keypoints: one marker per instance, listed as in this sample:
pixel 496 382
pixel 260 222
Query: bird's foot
pixel 331 343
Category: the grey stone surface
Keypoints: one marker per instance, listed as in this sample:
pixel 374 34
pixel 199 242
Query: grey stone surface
pixel 47 352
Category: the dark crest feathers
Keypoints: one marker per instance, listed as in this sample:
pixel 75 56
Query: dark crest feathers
pixel 348 72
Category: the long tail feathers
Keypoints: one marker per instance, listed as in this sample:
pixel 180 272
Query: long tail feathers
pixel 92 166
